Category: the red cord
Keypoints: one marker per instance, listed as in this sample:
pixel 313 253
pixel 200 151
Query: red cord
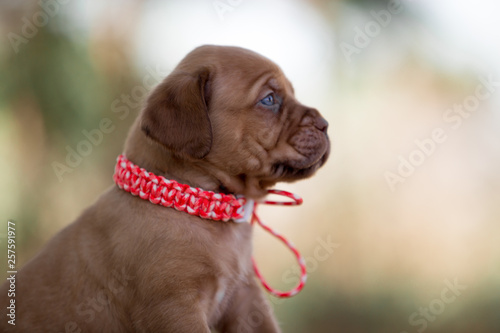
pixel 300 260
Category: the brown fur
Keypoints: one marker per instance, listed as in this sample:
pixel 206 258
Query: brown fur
pixel 126 265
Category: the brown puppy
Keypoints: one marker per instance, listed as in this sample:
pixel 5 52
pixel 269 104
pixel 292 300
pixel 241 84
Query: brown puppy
pixel 225 120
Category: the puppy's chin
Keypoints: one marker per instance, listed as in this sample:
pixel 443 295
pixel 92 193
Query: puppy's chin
pixel 289 172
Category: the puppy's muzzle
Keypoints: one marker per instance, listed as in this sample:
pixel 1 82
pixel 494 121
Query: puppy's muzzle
pixel 311 140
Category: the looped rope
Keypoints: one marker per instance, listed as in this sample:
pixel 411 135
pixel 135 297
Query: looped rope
pixel 303 273
pixel 206 204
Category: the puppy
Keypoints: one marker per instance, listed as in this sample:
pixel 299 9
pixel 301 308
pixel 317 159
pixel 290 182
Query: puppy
pixel 225 120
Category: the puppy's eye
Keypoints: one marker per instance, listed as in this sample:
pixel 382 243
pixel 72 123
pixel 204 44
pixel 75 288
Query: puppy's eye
pixel 268 100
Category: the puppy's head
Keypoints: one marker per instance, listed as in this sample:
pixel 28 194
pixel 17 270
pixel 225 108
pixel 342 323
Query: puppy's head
pixel 233 113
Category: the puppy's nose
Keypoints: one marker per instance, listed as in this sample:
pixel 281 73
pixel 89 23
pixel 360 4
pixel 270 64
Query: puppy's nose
pixel 321 124
pixel 313 117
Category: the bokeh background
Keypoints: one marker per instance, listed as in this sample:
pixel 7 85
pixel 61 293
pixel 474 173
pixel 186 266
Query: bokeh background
pixel 384 241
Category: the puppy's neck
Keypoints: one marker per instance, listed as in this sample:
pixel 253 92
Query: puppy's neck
pixel 157 159
pixel 250 187
pixel 195 173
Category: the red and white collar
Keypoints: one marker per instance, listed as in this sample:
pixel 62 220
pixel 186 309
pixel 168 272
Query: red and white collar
pixel 205 204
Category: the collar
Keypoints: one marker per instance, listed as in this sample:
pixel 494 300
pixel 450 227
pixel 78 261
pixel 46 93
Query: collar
pixel 207 205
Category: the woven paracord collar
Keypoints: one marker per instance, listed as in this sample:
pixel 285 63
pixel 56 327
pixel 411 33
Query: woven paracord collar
pixel 206 204
pixel 169 193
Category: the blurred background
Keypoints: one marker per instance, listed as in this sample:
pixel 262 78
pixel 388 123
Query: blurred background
pixel 399 229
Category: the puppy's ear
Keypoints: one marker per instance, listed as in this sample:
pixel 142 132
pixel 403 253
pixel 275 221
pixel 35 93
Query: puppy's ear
pixel 176 113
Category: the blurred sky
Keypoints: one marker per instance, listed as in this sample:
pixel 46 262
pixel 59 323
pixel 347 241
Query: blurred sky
pixel 292 33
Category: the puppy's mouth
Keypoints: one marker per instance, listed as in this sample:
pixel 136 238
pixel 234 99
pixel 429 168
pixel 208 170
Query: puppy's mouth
pixel 291 171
